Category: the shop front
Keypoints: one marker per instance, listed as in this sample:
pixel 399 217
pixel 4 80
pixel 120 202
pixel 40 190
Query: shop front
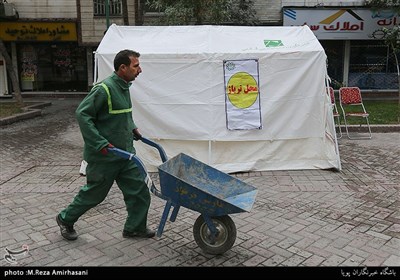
pixel 353 41
pixel 47 55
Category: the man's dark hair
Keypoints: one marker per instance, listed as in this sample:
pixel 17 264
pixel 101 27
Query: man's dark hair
pixel 123 57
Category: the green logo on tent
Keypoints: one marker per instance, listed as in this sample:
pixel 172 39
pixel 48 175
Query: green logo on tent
pixel 273 43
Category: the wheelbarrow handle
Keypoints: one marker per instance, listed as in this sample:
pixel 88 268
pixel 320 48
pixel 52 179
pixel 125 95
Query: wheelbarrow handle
pixel 160 149
pixel 126 155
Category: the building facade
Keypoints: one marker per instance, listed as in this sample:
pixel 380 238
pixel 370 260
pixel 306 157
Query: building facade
pixel 51 42
pixel 352 37
pixel 350 33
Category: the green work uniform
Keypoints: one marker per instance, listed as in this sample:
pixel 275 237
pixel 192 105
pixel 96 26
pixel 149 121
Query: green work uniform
pixel 105 116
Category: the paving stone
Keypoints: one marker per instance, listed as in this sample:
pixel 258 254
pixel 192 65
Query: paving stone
pixel 300 217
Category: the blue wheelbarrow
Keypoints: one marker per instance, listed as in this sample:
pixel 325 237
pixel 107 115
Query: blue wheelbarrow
pixel 187 182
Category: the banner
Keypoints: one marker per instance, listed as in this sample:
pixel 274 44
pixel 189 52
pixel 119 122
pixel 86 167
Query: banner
pixel 343 23
pixel 38 31
pixel 242 95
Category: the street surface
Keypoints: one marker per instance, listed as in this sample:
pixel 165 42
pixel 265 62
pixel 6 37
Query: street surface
pixel 300 217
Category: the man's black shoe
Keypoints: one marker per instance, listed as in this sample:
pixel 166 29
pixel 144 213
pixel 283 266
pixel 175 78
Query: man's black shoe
pixel 67 231
pixel 148 233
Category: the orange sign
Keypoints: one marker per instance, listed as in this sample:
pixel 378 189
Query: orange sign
pixel 38 31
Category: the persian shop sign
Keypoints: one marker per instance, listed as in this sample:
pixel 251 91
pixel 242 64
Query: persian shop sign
pixel 38 31
pixel 342 24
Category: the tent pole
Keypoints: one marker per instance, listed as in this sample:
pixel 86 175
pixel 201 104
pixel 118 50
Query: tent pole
pixel 209 153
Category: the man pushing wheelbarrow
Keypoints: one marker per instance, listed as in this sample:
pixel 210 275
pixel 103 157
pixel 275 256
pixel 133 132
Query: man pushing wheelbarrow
pixel 105 120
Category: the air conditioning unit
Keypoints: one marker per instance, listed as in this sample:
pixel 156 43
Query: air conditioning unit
pixel 8 11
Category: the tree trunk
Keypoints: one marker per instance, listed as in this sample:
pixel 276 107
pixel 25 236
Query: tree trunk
pixel 13 76
pixel 398 80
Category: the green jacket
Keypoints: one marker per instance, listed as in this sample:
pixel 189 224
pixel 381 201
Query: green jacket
pixel 106 117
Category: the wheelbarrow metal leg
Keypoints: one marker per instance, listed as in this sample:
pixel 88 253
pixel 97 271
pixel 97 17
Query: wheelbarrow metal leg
pixel 174 213
pixel 164 218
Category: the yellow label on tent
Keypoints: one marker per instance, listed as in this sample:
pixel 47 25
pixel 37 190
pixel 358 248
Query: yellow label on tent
pixel 242 90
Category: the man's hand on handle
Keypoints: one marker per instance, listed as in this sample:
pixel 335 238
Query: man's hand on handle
pixel 136 134
pixel 104 151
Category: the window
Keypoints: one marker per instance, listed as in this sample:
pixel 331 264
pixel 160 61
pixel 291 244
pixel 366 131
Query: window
pixel 372 66
pixel 99 7
pixel 335 53
pixel 45 67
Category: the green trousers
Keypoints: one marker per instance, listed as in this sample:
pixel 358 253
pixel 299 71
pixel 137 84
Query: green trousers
pixel 100 177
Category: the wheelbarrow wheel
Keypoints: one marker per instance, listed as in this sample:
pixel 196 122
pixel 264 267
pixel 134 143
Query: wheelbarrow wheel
pixel 224 240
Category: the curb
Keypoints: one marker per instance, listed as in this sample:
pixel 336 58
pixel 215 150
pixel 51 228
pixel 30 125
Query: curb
pixel 55 94
pixel 30 112
pixel 375 128
pixel 386 128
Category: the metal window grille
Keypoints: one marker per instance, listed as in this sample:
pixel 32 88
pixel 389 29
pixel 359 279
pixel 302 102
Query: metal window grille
pixel 99 7
pixel 372 66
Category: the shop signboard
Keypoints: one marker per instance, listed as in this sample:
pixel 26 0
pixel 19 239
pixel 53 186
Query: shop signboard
pixel 342 23
pixel 38 31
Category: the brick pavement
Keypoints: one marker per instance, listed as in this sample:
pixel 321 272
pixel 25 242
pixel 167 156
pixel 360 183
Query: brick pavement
pixel 300 218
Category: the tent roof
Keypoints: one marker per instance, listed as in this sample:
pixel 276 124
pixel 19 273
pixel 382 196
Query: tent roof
pixel 180 98
pixel 203 39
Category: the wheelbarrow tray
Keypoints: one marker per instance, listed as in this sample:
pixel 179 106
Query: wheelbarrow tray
pixel 193 184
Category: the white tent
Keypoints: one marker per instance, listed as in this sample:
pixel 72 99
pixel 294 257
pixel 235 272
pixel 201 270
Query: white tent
pixel 179 100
